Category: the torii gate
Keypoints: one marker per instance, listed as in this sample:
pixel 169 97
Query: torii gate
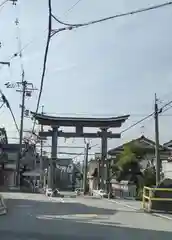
pixel 79 123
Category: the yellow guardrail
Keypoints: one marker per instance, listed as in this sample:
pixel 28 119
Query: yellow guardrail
pixel 148 197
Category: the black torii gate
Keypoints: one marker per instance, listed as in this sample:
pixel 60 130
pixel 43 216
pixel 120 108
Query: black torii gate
pixel 79 123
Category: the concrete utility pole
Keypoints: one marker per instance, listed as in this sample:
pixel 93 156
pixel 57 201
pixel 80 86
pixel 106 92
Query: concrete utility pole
pixel 42 129
pixel 85 168
pixel 41 143
pixel 157 153
pixel 22 87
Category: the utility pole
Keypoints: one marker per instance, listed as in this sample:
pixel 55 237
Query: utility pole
pixel 24 85
pixel 26 89
pixel 157 153
pixel 42 129
pixel 85 168
pixel 41 143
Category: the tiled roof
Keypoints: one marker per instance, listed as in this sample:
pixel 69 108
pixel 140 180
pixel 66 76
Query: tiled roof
pixel 141 139
pixel 69 121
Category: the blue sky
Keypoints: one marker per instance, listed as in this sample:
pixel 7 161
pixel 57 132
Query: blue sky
pixel 108 69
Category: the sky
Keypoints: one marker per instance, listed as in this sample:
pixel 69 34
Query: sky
pixel 107 69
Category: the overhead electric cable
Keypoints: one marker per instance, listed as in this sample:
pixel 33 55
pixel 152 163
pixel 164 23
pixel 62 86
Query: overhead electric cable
pixel 45 58
pixel 9 107
pixel 72 26
pixel 19 41
pixel 141 10
pixel 72 7
pixel 1 4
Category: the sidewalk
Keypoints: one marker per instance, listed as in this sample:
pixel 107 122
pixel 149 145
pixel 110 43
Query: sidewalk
pixel 137 205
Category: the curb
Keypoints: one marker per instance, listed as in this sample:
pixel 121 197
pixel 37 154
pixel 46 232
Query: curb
pixel 3 208
pixel 136 209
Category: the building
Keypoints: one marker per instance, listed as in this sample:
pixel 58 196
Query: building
pixel 167 163
pixel 9 154
pixel 149 148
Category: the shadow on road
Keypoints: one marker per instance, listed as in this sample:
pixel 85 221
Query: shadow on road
pixel 29 219
pixel 60 208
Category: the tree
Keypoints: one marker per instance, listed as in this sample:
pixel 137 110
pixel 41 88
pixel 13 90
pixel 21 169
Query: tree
pixel 149 175
pixel 128 163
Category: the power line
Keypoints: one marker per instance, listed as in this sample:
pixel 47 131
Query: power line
pixel 166 105
pixel 136 123
pixel 1 4
pixel 72 26
pixel 2 105
pixel 162 111
pixel 15 122
pixel 18 34
pixel 9 107
pixel 141 10
pixel 91 22
pixel 148 116
pixel 72 7
pixel 33 39
pixel 140 121
pixel 45 58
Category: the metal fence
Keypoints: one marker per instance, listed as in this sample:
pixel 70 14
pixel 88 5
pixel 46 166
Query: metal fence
pixel 125 191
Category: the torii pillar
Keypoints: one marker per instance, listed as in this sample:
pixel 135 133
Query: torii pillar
pixel 103 162
pixel 52 164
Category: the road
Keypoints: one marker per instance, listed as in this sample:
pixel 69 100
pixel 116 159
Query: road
pixel 35 217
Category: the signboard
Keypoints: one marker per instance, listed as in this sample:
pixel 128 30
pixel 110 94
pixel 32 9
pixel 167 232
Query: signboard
pixel 68 169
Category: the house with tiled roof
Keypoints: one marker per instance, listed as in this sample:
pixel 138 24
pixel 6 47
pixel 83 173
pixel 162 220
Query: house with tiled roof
pixel 148 146
pixel 149 158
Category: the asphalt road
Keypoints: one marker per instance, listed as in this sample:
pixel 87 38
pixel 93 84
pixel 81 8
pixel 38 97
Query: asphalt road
pixel 35 217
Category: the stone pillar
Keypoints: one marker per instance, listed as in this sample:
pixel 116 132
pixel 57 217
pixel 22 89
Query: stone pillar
pixel 53 156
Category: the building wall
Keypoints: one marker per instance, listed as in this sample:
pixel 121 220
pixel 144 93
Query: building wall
pixel 91 166
pixel 7 178
pixel 167 169
pixel 93 184
pixel 29 158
